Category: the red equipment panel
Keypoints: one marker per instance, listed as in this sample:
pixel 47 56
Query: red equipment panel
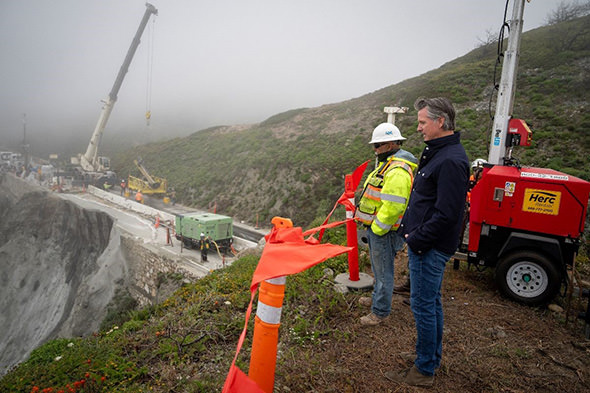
pixel 530 199
pixel 520 131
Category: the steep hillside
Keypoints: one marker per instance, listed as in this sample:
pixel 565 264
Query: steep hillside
pixel 293 163
pixel 55 276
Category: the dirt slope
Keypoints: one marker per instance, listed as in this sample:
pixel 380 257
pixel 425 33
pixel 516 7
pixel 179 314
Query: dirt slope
pixel 55 271
pixel 491 344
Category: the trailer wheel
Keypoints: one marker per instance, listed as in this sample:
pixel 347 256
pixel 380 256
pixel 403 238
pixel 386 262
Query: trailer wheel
pixel 528 277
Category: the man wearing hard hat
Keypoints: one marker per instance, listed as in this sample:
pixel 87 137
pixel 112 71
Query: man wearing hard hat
pixel 204 246
pixel 380 209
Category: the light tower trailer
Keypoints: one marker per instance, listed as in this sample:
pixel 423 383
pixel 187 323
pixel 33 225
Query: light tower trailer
pixel 525 222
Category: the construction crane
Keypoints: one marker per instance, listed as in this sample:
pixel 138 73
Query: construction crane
pixel 91 161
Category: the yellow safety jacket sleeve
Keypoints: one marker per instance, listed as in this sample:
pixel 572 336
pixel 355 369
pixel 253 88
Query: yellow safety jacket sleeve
pixel 395 194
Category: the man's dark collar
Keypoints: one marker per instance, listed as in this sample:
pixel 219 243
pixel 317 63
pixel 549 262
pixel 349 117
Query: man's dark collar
pixel 453 138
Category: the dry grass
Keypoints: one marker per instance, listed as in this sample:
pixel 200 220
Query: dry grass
pixel 491 344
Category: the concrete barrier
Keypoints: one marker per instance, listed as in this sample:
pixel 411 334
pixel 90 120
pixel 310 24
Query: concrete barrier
pixel 131 204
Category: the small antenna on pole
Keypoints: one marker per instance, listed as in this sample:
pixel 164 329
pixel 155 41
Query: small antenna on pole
pixel 392 111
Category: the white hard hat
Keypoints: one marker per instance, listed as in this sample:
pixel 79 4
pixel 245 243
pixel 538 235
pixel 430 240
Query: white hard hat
pixel 478 163
pixel 386 132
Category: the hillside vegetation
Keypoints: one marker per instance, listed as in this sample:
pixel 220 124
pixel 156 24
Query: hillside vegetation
pixel 187 343
pixel 293 163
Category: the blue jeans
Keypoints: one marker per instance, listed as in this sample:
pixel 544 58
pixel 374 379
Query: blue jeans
pixel 382 250
pixel 426 275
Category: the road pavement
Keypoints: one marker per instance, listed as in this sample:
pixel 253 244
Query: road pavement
pixel 143 227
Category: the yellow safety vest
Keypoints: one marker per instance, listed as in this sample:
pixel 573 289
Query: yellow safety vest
pixel 385 195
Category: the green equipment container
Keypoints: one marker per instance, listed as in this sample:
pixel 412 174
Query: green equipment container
pixel 218 228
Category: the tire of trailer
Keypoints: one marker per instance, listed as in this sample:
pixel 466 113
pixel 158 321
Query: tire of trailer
pixel 528 277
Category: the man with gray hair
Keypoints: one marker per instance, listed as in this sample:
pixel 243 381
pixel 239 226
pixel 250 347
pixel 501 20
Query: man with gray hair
pixel 431 227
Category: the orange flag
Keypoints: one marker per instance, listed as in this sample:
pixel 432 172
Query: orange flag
pixel 356 177
pixel 238 382
pixel 286 252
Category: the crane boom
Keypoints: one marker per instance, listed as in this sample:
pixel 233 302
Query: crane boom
pixel 139 164
pixel 90 160
pixel 151 185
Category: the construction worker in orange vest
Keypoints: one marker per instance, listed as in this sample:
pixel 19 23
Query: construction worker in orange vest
pixel 381 208
pixel 476 170
pixel 139 197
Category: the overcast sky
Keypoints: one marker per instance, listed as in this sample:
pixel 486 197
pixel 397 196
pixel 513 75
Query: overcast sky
pixel 221 61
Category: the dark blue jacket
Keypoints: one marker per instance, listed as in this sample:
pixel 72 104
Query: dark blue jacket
pixel 434 215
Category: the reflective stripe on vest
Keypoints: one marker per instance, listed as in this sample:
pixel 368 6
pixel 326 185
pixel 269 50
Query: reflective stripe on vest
pixel 373 193
pixel 365 218
pixel 393 198
pixel 382 225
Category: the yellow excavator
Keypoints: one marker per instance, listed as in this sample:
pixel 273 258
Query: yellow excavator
pixel 149 185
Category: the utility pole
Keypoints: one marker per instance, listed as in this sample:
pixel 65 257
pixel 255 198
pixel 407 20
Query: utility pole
pixel 392 111
pixel 25 145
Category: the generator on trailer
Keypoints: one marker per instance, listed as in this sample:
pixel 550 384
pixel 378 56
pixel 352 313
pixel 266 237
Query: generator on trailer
pixel 216 227
pixel 525 222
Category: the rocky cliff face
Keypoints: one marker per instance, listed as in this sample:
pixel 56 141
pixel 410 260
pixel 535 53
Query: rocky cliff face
pixel 59 265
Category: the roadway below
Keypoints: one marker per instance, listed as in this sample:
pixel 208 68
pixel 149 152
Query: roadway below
pixel 140 221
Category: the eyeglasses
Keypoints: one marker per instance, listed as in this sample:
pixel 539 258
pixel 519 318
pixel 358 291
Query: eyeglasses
pixel 378 145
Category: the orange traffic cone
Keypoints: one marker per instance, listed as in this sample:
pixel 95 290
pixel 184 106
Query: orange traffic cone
pixel 271 293
pixel 266 333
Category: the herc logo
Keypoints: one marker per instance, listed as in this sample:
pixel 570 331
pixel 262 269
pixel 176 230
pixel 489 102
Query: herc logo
pixel 389 132
pixel 541 201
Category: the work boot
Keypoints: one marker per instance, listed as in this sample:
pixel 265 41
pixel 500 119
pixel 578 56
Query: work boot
pixel 411 377
pixel 403 289
pixel 372 320
pixel 408 356
pixel 366 301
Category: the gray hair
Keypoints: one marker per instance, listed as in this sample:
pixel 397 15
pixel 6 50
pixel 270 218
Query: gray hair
pixel 438 107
